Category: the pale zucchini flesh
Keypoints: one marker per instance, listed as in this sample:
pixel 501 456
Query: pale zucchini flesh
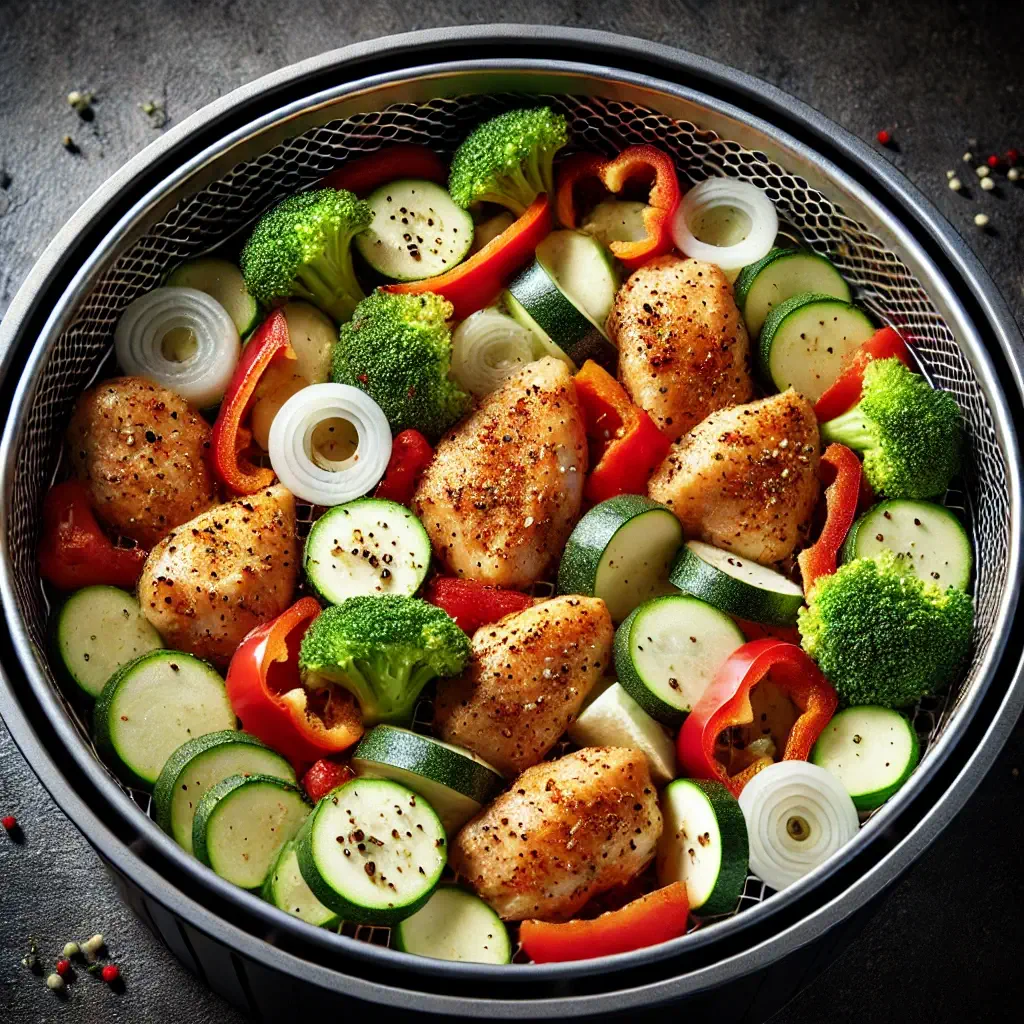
pixel 287 890
pixel 223 282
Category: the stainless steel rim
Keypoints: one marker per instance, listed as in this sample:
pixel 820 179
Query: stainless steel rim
pixel 909 247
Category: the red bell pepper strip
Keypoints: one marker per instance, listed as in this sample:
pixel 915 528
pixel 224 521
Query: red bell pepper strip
pixel 323 776
pixel 405 160
pixel 657 917
pixel 841 499
pixel 726 704
pixel 580 172
pixel 473 604
pixel 229 439
pixel 636 163
pixel 410 455
pixel 74 551
pixel 476 282
pixel 266 691
pixel 844 392
pixel 626 446
pixel 763 631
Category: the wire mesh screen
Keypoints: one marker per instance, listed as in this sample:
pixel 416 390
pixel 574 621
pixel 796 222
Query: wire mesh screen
pixel 202 221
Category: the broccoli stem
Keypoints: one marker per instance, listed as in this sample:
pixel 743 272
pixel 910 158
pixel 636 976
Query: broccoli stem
pixel 339 298
pixel 851 429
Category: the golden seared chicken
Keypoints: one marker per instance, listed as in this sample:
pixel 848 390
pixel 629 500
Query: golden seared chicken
pixel 503 492
pixel 211 580
pixel 141 449
pixel 527 677
pixel 746 478
pixel 683 346
pixel 566 831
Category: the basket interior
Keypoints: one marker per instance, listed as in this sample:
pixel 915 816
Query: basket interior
pixel 205 220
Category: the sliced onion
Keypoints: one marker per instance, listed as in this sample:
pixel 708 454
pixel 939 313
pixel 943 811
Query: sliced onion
pixel 797 816
pixel 309 449
pixel 705 210
pixel 487 348
pixel 182 339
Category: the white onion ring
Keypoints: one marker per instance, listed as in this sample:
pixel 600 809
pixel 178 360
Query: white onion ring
pixel 784 791
pixel 743 196
pixel 487 348
pixel 203 377
pixel 291 447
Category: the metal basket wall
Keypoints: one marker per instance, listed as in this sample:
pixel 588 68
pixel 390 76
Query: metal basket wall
pixel 203 221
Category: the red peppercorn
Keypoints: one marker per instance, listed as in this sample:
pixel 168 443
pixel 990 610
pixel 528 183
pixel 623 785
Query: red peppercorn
pixel 1012 156
pixel 63 966
pixel 993 161
pixel 110 973
pixel 10 822
pixel 884 137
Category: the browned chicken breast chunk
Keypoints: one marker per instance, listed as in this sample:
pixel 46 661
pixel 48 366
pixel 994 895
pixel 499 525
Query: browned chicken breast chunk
pixel 213 579
pixel 566 831
pixel 746 479
pixel 527 677
pixel 141 450
pixel 683 347
pixel 504 489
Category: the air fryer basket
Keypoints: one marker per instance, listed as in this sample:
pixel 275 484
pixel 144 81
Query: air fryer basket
pixel 606 111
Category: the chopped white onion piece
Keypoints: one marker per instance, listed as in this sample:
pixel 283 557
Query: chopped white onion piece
pixel 182 339
pixel 726 222
pixel 797 816
pixel 487 348
pixel 329 443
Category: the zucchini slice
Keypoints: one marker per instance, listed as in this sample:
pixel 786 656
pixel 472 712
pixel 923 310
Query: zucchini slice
pixel 455 925
pixel 737 585
pixel 223 282
pixel 668 650
pixel 870 750
pixel 806 339
pixel 153 705
pixel 417 231
pixel 584 270
pixel 455 782
pixel 704 844
pixel 621 551
pixel 780 275
pixel 287 890
pixel 242 823
pixel 99 629
pixel 366 547
pixel 373 851
pixel 927 538
pixel 198 765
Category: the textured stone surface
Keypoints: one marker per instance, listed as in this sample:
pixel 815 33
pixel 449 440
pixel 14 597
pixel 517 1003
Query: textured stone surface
pixel 946 943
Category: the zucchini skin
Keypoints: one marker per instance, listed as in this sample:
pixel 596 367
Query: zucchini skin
pixel 631 681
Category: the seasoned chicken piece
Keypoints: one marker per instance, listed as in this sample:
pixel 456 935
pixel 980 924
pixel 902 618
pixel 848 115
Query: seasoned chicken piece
pixel 503 492
pixel 141 450
pixel 746 478
pixel 214 578
pixel 683 346
pixel 566 831
pixel 527 677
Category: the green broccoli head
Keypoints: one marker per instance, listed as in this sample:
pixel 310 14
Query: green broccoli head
pixel 384 650
pixel 509 159
pixel 302 249
pixel 910 433
pixel 397 348
pixel 883 636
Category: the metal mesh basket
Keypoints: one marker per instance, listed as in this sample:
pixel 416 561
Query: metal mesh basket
pixel 206 219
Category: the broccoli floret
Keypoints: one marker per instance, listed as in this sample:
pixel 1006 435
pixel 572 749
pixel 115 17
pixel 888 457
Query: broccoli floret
pixel 397 348
pixel 882 635
pixel 384 650
pixel 509 159
pixel 302 249
pixel 910 433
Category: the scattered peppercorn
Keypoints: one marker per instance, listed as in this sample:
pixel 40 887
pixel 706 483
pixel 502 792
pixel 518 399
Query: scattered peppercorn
pixel 982 171
pixel 69 144
pixel 9 822
pixel 993 161
pixel 988 184
pixel 955 184
pixel 110 973
pixel 968 157
pixel 884 137
pixel 94 946
pixel 71 949
pixel 63 966
pixel 1012 156
pixel 1013 173
pixel 981 220
pixel 55 982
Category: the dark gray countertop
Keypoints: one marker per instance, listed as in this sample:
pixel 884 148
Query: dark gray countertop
pixel 946 943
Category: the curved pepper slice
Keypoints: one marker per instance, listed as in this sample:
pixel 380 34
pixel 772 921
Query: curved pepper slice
pixel 626 446
pixel 406 160
pixel 324 776
pixel 266 691
pixel 476 281
pixel 230 438
pixel 635 164
pixel 410 455
pixel 74 551
pixel 725 709
pixel 842 496
pixel 657 917
pixel 473 604
pixel 845 391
